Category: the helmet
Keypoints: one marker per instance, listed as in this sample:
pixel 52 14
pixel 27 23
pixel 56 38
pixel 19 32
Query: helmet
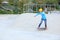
pixel 40 10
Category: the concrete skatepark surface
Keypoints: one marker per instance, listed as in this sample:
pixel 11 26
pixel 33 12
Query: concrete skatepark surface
pixel 24 27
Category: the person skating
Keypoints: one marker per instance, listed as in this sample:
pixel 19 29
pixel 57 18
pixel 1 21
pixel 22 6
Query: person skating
pixel 43 18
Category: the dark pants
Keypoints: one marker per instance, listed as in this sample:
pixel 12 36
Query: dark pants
pixel 45 21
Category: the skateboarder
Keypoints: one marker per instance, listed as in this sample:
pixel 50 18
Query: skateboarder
pixel 43 18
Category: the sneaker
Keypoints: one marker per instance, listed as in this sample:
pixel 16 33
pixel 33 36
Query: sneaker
pixel 45 28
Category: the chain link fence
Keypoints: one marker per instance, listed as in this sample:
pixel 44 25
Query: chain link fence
pixel 33 8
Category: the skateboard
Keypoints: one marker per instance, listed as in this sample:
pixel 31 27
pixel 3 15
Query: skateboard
pixel 42 29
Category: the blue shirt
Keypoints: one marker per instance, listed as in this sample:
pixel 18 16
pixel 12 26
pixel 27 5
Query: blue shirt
pixel 43 15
